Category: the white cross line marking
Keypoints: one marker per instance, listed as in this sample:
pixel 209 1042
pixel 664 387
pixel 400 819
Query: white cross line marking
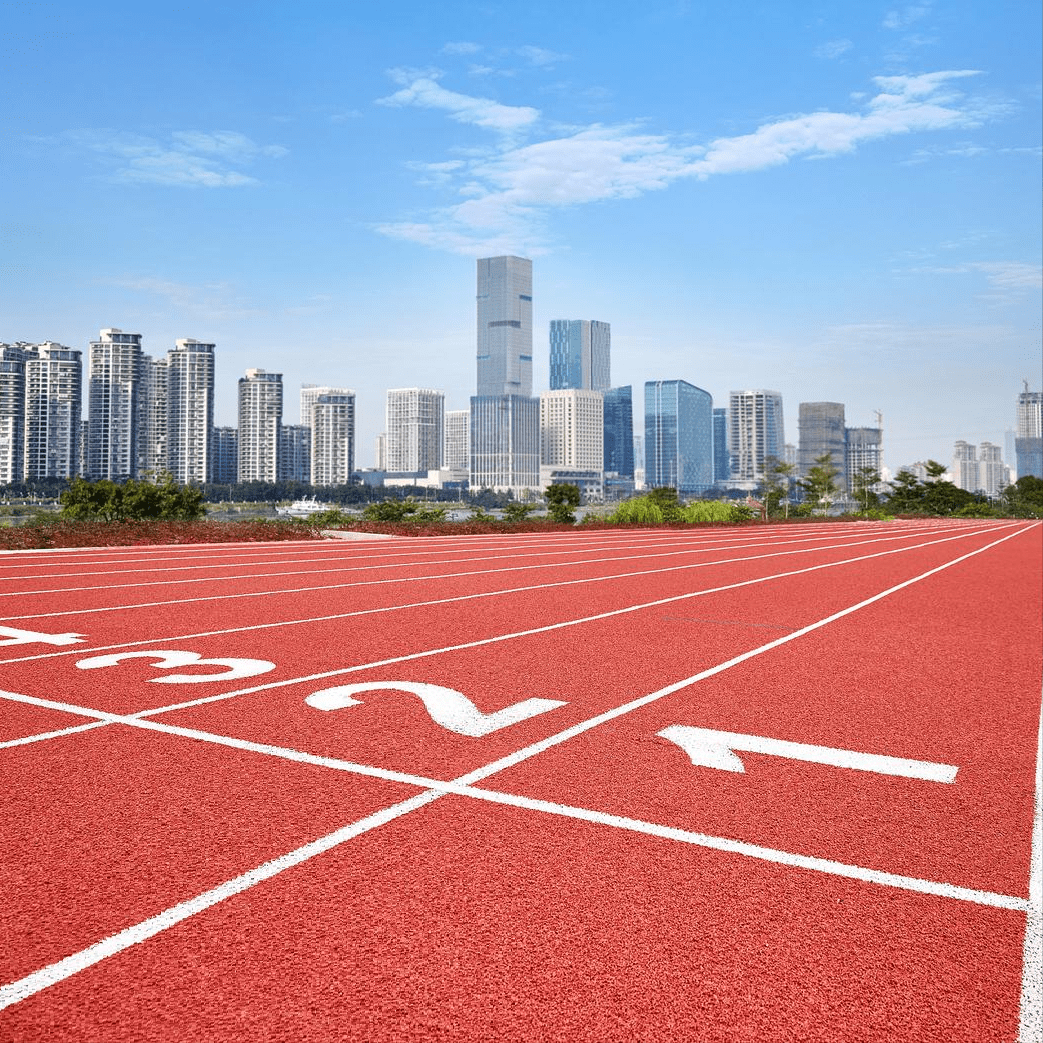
pixel 59 733
pixel 1030 1021
pixel 707 748
pixel 62 969
pixel 383 581
pixel 489 594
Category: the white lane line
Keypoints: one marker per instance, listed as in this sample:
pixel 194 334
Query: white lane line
pixel 62 969
pixel 59 733
pixel 460 787
pixel 1031 1019
pixel 269 625
pixel 383 581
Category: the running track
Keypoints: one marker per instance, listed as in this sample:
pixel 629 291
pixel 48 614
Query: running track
pixel 766 783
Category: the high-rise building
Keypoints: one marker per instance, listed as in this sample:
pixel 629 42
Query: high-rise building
pixel 965 467
pixel 572 431
pixel 115 371
pixel 755 434
pixel 190 411
pixel 993 473
pixel 504 326
pixel 580 354
pixel 505 418
pixel 456 454
pixel 152 418
pixel 821 430
pixel 260 422
pixel 864 449
pixel 295 453
pixel 12 411
pixel 225 456
pixel 619 432
pixel 415 430
pixel 53 405
pixel 678 436
pixel 721 462
pixel 1028 439
pixel 310 395
pixel 333 437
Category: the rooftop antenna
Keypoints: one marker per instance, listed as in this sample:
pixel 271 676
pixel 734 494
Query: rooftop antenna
pixel 1026 383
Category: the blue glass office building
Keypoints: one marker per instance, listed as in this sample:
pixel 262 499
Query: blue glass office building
pixel 678 437
pixel 580 354
pixel 721 461
pixel 619 432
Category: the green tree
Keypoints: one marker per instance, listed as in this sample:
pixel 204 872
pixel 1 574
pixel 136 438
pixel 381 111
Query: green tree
pixel 159 500
pixel 820 484
pixel 776 486
pixel 518 512
pixel 1024 499
pixel 863 488
pixel 562 500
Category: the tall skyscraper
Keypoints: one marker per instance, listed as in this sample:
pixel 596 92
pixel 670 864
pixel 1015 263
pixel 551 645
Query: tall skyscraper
pixel 505 418
pixel 572 432
pixel 678 436
pixel 260 422
pixel 415 430
pixel 190 411
pixel 755 433
pixel 580 354
pixel 504 326
pixel 619 432
pixel 333 437
pixel 115 371
pixel 294 453
pixel 821 430
pixel 310 395
pixel 1028 439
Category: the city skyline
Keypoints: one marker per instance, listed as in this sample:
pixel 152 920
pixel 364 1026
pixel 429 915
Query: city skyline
pixel 839 204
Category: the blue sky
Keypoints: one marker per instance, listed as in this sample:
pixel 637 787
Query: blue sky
pixel 838 201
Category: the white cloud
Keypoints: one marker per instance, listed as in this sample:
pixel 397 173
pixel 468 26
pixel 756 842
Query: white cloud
pixel 541 56
pixel 509 193
pixel 1009 278
pixel 425 92
pixel 190 159
pixel 900 17
pixel 461 47
pixel 833 49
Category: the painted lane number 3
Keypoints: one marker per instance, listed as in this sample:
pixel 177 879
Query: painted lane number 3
pixel 167 660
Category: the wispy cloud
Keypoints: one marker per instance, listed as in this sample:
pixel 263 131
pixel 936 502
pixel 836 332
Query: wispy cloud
pixel 902 17
pixel 187 159
pixel 508 195
pixel 425 92
pixel 204 302
pixel 541 56
pixel 461 47
pixel 1005 278
pixel 832 49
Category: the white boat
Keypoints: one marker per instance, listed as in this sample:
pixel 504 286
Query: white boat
pixel 304 508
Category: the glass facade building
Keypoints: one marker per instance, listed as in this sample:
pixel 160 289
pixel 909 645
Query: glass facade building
pixel 721 462
pixel 821 430
pixel 580 354
pixel 505 442
pixel 504 302
pixel 619 432
pixel 678 436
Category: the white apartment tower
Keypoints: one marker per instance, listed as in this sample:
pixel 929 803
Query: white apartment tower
pixel 415 431
pixel 260 423
pixel 53 404
pixel 152 417
pixel 993 473
pixel 755 433
pixel 572 438
pixel 310 395
pixel 333 437
pixel 114 375
pixel 965 467
pixel 456 455
pixel 12 411
pixel 190 411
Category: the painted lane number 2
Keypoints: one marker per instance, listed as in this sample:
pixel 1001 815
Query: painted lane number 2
pixel 445 706
pixel 167 660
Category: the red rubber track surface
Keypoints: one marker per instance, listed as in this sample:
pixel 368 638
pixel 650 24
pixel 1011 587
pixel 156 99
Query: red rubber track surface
pixel 587 881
